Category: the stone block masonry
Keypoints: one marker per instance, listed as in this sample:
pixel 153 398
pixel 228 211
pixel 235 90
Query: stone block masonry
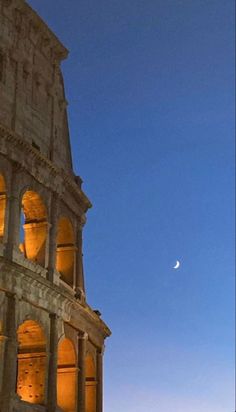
pixel 51 341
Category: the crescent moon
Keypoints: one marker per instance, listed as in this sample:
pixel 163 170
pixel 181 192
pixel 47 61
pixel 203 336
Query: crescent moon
pixel 177 265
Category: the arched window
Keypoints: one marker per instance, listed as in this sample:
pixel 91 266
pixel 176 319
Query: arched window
pixel 35 228
pixel 66 376
pixel 2 206
pixel 90 384
pixel 31 370
pixel 65 251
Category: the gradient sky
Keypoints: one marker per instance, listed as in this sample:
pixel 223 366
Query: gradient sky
pixel 151 106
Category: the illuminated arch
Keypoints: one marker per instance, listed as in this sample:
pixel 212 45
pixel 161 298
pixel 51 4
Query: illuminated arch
pixel 65 250
pixel 31 358
pixel 66 376
pixel 35 227
pixel 90 384
pixel 2 206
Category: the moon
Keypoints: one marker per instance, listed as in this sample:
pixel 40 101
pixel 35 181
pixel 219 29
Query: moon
pixel 177 265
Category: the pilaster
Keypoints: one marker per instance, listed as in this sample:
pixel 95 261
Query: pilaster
pixel 81 394
pixel 80 288
pixel 99 392
pixel 10 353
pixel 52 367
pixel 12 227
pixel 52 238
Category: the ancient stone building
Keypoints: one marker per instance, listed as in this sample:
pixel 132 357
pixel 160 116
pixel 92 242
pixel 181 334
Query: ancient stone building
pixel 51 341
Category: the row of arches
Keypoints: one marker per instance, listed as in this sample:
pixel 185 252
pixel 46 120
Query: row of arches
pixel 33 233
pixel 32 369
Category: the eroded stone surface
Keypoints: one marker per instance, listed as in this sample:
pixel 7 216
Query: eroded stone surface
pixel 51 341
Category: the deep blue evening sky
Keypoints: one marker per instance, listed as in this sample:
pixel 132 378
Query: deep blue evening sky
pixel 150 91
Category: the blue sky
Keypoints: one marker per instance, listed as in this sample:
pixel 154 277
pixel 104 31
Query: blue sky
pixel 150 86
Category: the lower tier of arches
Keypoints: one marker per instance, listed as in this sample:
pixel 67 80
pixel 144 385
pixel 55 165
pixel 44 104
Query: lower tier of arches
pixel 41 372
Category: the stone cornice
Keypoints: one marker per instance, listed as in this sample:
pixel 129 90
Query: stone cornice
pixel 60 49
pixel 47 36
pixel 7 135
pixel 25 283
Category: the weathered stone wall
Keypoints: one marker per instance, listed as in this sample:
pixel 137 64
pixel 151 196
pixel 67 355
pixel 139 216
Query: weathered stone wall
pixel 31 83
pixel 42 214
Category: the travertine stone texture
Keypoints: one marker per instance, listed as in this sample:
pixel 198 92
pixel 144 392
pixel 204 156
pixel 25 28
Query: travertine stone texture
pixel 51 340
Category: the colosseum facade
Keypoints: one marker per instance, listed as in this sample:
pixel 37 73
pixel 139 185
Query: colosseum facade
pixel 51 340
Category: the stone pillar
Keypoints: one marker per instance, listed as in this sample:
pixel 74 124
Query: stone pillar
pixel 99 392
pixel 2 215
pixel 51 94
pixel 3 341
pixel 10 354
pixel 52 242
pixel 80 292
pixel 81 390
pixel 52 366
pixel 17 107
pixel 13 221
pixel 15 63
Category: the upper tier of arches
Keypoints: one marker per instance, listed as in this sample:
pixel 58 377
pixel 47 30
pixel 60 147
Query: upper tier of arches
pixel 44 233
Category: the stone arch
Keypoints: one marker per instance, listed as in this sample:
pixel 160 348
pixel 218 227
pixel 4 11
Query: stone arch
pixel 66 375
pixel 65 261
pixel 31 362
pixel 34 228
pixel 90 399
pixel 3 200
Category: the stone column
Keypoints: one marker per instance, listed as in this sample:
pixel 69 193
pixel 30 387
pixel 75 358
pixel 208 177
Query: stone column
pixel 81 390
pixel 52 366
pixel 17 108
pixel 10 354
pixel 80 292
pixel 3 341
pixel 2 214
pixel 51 93
pixel 13 221
pixel 16 64
pixel 52 242
pixel 99 392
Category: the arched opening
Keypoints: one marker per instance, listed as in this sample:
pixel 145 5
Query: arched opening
pixel 31 366
pixel 90 384
pixel 2 206
pixel 65 251
pixel 66 376
pixel 34 234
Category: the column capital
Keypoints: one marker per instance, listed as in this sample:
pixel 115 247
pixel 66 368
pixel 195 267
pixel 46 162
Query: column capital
pixel 3 338
pixel 53 316
pixel 11 196
pixel 80 223
pixel 83 336
pixel 100 351
pixel 11 295
pixel 80 295
pixel 16 167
